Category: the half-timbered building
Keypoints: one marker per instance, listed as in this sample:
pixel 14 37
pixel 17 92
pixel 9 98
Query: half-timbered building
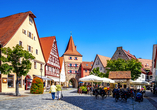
pixel 50 51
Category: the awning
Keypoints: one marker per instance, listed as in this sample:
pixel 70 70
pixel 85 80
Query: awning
pixel 53 78
pixel 43 77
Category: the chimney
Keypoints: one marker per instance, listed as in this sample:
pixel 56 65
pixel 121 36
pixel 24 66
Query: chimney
pixel 128 51
pixel 119 48
pixel 75 47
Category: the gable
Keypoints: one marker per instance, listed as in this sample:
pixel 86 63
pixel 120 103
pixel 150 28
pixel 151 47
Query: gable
pixel 119 53
pixel 32 41
pixel 10 24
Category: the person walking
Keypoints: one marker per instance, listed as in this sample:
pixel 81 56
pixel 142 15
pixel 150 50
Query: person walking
pixel 53 90
pixel 59 89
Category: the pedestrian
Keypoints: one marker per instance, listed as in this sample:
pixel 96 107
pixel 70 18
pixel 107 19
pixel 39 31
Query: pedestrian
pixel 108 90
pixel 59 89
pixel 53 90
pixel 80 89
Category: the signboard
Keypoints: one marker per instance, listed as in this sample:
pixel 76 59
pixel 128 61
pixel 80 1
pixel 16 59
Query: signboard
pixel 4 80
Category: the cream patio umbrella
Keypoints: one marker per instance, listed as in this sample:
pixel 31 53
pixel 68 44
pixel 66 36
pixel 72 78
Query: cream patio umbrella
pixel 107 80
pixel 91 78
pixel 140 83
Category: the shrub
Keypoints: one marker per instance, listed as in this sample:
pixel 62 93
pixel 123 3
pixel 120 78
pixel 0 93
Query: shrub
pixel 84 88
pixel 37 86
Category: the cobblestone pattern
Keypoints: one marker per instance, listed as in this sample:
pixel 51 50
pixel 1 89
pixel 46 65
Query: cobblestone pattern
pixel 73 101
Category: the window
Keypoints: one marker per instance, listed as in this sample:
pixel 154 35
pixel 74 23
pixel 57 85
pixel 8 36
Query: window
pixel 30 20
pixel 34 37
pixel 100 68
pixel 70 71
pixel 10 80
pixel 29 48
pixel 98 62
pixel 86 64
pixel 20 81
pixel 70 58
pixel 52 69
pixel 142 76
pixel 20 43
pixel 86 71
pixel 91 64
pixel 70 65
pixel 75 58
pixel 35 65
pixel 29 35
pixel 75 71
pixel 37 51
pixel 47 67
pixel 24 31
pixel 150 77
pixel 75 65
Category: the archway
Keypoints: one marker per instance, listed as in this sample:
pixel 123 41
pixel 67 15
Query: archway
pixel 28 82
pixel 73 83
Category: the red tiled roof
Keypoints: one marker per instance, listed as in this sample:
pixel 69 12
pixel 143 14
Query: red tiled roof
pixel 10 24
pixel 61 62
pixel 129 55
pixel 46 44
pixel 71 49
pixel 146 63
pixel 120 74
pixel 103 60
pixel 87 65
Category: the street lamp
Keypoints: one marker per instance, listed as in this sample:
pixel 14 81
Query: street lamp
pixel 41 70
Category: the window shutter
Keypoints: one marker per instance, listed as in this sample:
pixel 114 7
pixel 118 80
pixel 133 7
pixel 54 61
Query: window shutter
pixel 77 65
pixel 32 36
pixel 23 30
pixel 27 47
pixel 28 33
pixel 68 64
pixel 68 71
pixel 32 49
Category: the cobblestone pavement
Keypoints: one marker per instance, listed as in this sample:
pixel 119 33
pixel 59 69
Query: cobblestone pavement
pixel 73 101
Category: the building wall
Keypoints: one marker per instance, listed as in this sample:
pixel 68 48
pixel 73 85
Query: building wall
pixel 142 77
pixel 154 69
pixel 97 63
pixel 20 36
pixel 75 76
pixel 86 73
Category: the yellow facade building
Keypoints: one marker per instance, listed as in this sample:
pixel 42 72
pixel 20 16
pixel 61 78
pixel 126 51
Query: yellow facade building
pixel 21 29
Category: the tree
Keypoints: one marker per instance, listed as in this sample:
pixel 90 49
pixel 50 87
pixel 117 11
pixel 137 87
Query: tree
pixel 125 65
pixel 97 72
pixel 15 60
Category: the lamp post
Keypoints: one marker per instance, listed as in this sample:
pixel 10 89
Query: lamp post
pixel 41 70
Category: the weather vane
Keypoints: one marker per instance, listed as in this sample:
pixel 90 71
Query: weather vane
pixel 70 33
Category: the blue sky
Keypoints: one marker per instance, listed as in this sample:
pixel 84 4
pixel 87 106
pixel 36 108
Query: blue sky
pixel 98 26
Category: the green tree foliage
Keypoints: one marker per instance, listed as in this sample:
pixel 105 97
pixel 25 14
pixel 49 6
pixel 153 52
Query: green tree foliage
pixel 15 60
pixel 97 72
pixel 37 86
pixel 125 65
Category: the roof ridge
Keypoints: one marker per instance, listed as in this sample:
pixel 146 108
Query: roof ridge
pixel 47 37
pixel 103 56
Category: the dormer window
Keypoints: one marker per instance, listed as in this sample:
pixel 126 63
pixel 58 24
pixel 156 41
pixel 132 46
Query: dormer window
pixel 75 58
pixel 86 64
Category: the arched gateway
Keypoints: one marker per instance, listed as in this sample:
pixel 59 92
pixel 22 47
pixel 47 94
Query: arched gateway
pixel 73 82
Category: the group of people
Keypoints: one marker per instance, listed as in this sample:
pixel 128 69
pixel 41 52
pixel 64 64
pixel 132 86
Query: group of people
pixel 54 89
pixel 90 89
